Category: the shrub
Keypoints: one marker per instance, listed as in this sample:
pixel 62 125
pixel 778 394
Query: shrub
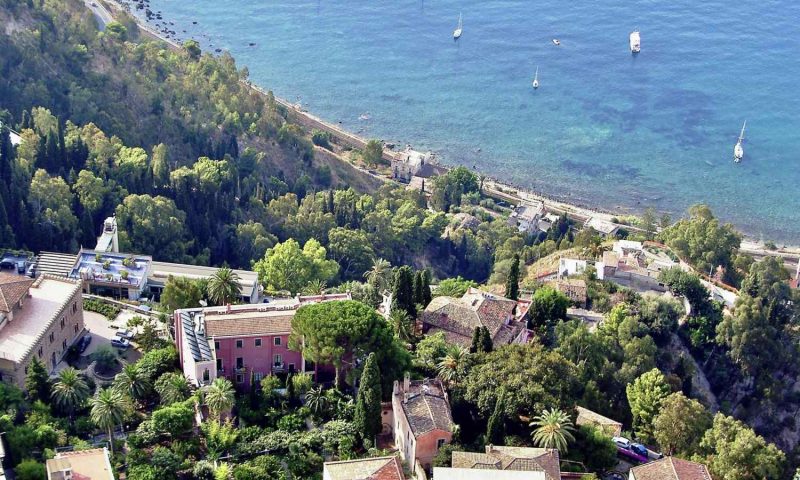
pixel 105 357
pixel 30 470
pixel 321 139
pixel 107 265
pixel 105 309
pixel 124 274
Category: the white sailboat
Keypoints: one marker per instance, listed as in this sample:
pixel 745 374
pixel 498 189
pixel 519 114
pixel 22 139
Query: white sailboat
pixel 536 78
pixel 458 30
pixel 636 41
pixel 738 150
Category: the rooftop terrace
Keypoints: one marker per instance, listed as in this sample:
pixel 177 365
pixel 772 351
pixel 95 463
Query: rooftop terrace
pixel 104 267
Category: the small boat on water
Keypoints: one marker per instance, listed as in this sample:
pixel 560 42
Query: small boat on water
pixel 556 42
pixel 459 29
pixel 364 116
pixel 636 41
pixel 738 150
pixel 536 79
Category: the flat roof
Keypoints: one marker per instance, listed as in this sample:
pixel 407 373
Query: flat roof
pixel 85 464
pixel 160 271
pixel 88 268
pixel 48 295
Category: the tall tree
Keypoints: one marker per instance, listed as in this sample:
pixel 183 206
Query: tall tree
pixel 37 381
pixel 553 430
pixel 109 407
pixel 403 290
pixel 680 425
pixel 379 275
pixel 342 334
pixel 451 367
pixel 426 294
pixel 288 267
pixel 512 283
pixel 367 416
pixel 476 340
pixel 733 451
pixel 133 382
pixel 486 344
pixel 496 428
pixel 645 396
pixel 172 387
pixel 223 286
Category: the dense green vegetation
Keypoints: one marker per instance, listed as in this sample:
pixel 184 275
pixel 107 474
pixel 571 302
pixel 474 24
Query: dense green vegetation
pixel 199 169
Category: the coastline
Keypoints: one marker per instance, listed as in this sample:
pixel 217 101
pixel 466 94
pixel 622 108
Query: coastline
pixel 493 186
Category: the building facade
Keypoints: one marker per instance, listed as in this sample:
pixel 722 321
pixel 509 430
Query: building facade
pixel 243 343
pixel 41 317
pixel 423 422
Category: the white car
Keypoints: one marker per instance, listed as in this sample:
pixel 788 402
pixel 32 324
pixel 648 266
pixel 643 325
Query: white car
pixel 622 442
pixel 125 333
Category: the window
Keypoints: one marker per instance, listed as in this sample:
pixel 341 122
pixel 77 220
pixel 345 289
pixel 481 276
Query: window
pixel 64 344
pixel 239 378
pixel 258 342
pixel 258 376
pixel 74 307
pixel 239 344
pixel 277 341
pixel 277 360
pixel 52 337
pixel 440 442
pixel 62 323
pixel 216 345
pixel 75 327
pixel 40 352
pixel 206 375
pixel 220 368
pixel 291 367
pixel 239 362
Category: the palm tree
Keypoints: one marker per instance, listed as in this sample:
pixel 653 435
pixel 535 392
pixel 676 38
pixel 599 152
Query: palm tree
pixel 172 387
pixel 403 327
pixel 316 400
pixel 219 397
pixel 378 275
pixel 553 429
pixel 70 390
pixel 315 287
pixel 133 382
pixel 223 286
pixel 449 367
pixel 109 407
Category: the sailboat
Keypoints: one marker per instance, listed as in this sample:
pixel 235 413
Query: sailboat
pixel 536 78
pixel 738 150
pixel 457 31
pixel 636 41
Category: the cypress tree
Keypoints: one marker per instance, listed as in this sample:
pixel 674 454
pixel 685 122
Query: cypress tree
pixel 476 340
pixel 512 284
pixel 62 147
pixel 426 288
pixel 495 430
pixel 88 236
pixel 26 120
pixel 37 381
pixel 367 417
pixel 290 390
pixel 403 290
pixel 486 340
pixel 417 287
pixel 6 232
pixel 330 206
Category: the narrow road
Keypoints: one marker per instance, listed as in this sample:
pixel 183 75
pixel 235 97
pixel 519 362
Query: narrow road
pixel 103 16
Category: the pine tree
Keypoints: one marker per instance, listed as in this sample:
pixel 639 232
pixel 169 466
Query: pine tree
pixel 37 381
pixel 367 417
pixel 476 340
pixel 512 284
pixel 495 430
pixel 403 290
pixel 486 344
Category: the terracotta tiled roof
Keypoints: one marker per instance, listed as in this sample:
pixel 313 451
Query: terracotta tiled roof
pixel 670 468
pixel 12 289
pixel 380 468
pixel 459 317
pixel 426 407
pixel 512 458
pixel 259 323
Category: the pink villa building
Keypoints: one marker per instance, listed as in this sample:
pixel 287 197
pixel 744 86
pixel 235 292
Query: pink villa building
pixel 242 343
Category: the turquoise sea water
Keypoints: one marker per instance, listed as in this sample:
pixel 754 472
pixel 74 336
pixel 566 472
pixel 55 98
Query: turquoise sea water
pixel 605 128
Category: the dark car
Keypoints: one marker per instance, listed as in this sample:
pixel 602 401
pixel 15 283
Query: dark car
pixel 84 342
pixel 639 449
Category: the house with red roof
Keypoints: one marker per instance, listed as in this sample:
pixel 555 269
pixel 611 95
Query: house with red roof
pixel 670 468
pixel 378 468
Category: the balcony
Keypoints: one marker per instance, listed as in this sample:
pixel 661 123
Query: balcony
pixel 240 369
pixel 279 367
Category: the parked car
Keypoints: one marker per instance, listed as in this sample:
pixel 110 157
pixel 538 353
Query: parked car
pixel 622 442
pixel 120 343
pixel 639 449
pixel 83 343
pixel 124 333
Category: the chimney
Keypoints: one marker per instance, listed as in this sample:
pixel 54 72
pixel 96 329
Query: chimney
pixel 396 388
pixel 227 308
pixel 489 448
pixel 406 382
